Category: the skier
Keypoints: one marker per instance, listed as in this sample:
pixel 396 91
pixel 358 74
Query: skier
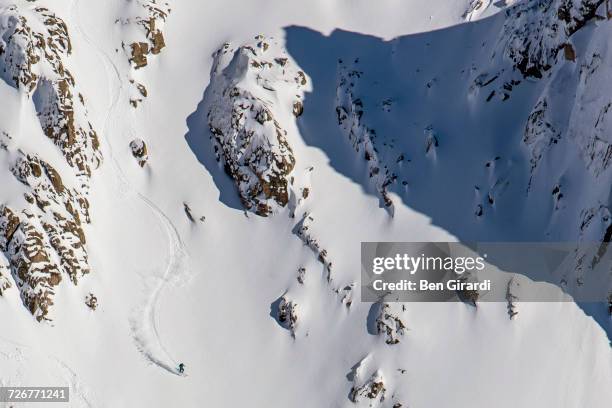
pixel 181 368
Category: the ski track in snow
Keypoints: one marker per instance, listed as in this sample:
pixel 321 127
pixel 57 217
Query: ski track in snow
pixel 144 321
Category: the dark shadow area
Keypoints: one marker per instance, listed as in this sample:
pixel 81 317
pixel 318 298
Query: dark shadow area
pixel 481 160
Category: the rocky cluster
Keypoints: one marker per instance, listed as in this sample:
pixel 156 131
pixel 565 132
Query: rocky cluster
pixel 370 391
pixel 35 44
pixel 536 32
pixel 150 18
pixel 389 324
pixel 249 131
pixel 287 314
pixel 139 151
pixel 43 240
pixel 303 231
pixel 349 111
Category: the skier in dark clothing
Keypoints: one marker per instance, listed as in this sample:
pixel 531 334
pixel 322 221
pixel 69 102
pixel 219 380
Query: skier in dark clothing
pixel 181 368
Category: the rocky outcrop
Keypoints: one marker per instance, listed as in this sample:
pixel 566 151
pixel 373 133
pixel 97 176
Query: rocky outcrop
pixel 32 57
pixel 139 151
pixel 287 314
pixel 46 241
pixel 6 281
pixel 148 39
pixel 42 239
pixel 304 232
pixel 536 31
pixel 371 391
pixel 512 298
pixel 250 133
pixel 389 324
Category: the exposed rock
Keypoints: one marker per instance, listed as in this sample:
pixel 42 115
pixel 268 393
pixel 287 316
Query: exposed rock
pixel 6 282
pixel 302 230
pixel 139 151
pixel 469 296
pixel 91 301
pixel 150 16
pixel 301 276
pixel 298 108
pixel 43 239
pixel 287 314
pixel 535 31
pixel 511 297
pixel 24 243
pixel 32 56
pixel 540 133
pixel 349 112
pixel 370 391
pixel 248 137
pixel 389 324
pixel 431 140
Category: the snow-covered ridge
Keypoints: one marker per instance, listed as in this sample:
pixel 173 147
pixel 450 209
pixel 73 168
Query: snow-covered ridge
pixel 253 89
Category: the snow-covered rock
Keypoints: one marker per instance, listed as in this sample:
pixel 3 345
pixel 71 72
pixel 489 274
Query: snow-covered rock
pixel 147 18
pixel 349 111
pixel 43 239
pixel 252 88
pixel 536 31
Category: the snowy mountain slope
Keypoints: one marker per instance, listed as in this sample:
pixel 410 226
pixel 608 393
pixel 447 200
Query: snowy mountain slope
pixel 183 274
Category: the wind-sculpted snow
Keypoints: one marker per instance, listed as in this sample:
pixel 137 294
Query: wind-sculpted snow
pixel 43 238
pixel 255 89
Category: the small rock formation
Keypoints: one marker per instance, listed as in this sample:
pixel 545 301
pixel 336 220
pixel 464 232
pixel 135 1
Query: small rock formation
pixel 346 294
pixel 247 134
pixel 540 133
pixel 389 325
pixel 287 314
pixel 148 39
pixel 91 301
pixel 301 275
pixel 349 112
pixel 371 391
pixel 5 279
pixel 469 296
pixel 139 151
pixel 511 297
pixel 431 141
pixel 302 230
pixel 137 93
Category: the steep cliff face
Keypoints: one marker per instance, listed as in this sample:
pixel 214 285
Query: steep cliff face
pixel 255 90
pixel 43 238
